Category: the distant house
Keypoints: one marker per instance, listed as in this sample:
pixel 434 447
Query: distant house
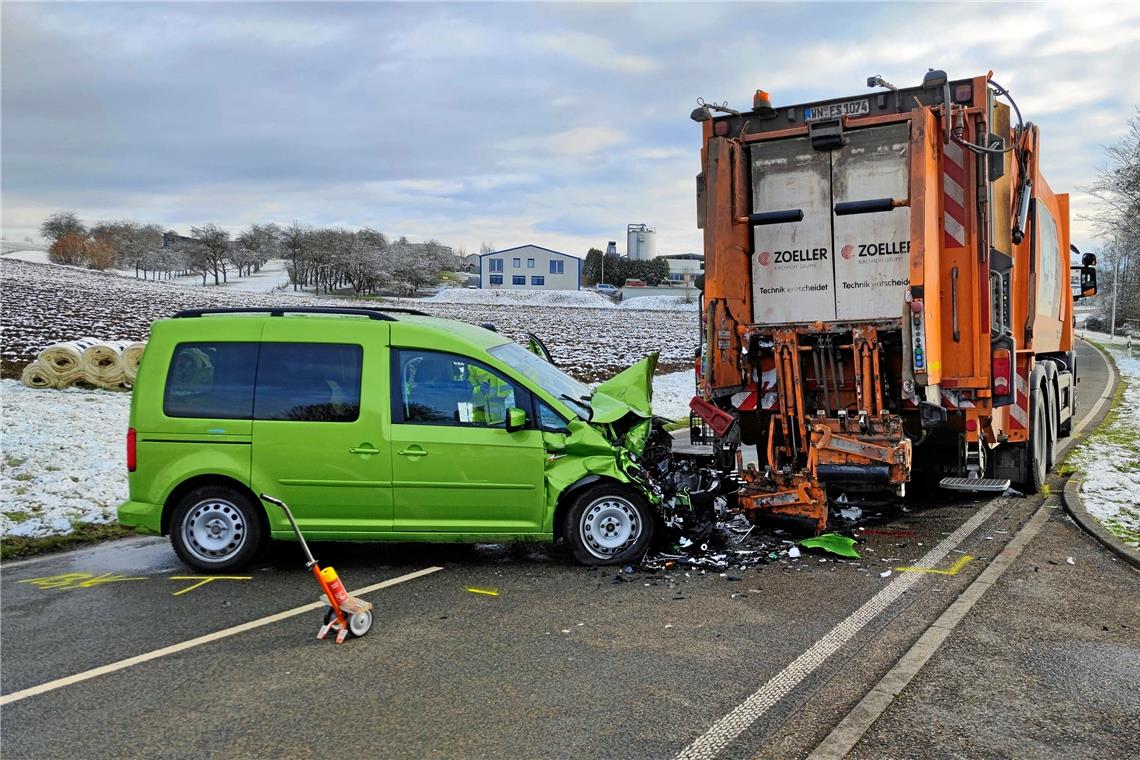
pixel 530 267
pixel 684 267
pixel 471 262
pixel 170 238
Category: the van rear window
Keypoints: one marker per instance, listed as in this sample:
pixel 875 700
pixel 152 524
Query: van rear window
pixel 304 382
pixel 212 380
pixel 313 382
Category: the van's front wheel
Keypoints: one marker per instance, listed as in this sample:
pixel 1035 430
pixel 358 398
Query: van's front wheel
pixel 608 524
pixel 215 528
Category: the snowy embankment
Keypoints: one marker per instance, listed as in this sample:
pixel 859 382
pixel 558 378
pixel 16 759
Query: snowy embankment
pixel 660 303
pixel 580 299
pixel 1110 458
pixel 64 453
pixel 64 458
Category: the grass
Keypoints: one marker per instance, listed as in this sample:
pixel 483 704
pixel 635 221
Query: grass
pixel 18 548
pixel 1114 432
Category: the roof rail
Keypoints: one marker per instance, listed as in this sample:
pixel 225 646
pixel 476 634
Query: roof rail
pixel 280 311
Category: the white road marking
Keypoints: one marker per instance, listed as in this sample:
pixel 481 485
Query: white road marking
pixel 851 729
pixel 728 728
pixel 184 645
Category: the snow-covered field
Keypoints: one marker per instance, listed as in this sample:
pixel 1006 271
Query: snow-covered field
pixel 64 459
pixel 1110 457
pixel 44 303
pixel 577 299
pixel 660 303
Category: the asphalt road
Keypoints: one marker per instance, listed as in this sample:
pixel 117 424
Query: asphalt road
pixel 569 662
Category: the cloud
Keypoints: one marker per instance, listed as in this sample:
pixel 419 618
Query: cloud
pixel 591 51
pixel 556 124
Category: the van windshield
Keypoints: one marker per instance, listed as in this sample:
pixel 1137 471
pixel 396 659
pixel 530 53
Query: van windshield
pixel 548 377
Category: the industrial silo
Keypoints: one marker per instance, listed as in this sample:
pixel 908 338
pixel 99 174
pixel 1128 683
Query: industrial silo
pixel 640 242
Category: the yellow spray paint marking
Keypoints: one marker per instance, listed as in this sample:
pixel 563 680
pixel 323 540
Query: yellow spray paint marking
pixel 484 591
pixel 79 580
pixel 203 580
pixel 954 569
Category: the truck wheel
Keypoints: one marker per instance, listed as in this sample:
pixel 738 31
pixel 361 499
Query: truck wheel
pixel 215 528
pixel 608 524
pixel 1053 409
pixel 1037 447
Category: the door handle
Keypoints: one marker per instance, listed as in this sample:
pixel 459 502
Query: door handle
pixel 365 448
pixel 415 450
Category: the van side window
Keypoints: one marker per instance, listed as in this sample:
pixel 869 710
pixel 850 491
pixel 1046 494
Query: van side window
pixel 308 382
pixel 211 380
pixel 433 388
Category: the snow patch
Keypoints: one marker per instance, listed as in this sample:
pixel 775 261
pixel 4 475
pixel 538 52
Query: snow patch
pixel 660 303
pixel 573 298
pixel 64 458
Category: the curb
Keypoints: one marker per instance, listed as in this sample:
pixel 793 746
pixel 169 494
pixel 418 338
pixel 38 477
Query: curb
pixel 1088 523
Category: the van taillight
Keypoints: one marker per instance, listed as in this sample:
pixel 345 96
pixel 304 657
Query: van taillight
pixel 132 450
pixel 1002 372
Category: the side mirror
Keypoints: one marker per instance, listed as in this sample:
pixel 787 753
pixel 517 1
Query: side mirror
pixel 516 419
pixel 1083 281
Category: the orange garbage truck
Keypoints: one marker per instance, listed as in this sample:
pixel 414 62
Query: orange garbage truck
pixel 887 295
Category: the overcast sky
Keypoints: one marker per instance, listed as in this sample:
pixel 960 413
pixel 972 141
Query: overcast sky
pixel 506 123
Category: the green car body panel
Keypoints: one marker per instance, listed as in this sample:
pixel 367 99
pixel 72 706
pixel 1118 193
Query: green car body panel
pixel 374 477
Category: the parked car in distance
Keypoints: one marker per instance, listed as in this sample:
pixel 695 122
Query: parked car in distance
pixel 377 425
pixel 606 289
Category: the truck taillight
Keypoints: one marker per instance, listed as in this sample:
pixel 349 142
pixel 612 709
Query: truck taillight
pixel 1002 371
pixel 132 450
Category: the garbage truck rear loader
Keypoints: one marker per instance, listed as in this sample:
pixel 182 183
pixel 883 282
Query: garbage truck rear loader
pixel 886 295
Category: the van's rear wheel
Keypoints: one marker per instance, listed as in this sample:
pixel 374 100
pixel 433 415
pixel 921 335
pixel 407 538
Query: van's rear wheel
pixel 215 528
pixel 608 524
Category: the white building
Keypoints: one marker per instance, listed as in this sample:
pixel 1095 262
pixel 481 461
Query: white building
pixel 684 267
pixel 530 267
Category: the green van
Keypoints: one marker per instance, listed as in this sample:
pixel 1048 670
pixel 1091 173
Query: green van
pixel 378 425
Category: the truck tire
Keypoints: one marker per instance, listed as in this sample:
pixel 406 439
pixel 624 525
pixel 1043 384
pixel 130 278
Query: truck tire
pixel 1066 428
pixel 609 524
pixel 1037 446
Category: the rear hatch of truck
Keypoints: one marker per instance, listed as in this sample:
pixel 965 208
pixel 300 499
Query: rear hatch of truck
pixel 829 267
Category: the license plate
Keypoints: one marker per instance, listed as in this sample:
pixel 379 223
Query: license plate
pixel 835 110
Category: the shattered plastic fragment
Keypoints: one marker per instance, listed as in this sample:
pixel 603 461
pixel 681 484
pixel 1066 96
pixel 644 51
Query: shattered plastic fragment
pixel 884 574
pixel 1070 560
pixel 851 513
pixel 844 546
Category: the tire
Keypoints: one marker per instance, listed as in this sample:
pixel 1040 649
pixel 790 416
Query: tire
pixel 216 528
pixel 1053 407
pixel 358 625
pixel 1038 441
pixel 609 524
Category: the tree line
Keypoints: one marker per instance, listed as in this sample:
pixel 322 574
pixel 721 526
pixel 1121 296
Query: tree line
pixel 323 259
pixel 615 270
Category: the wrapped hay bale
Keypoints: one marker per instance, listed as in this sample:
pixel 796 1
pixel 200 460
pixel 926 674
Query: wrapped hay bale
pixel 103 364
pixel 65 359
pixel 132 358
pixel 36 376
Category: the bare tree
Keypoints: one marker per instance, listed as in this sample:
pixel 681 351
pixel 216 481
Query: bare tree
pixel 214 243
pixel 62 223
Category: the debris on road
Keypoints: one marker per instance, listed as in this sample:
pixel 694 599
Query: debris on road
pixel 483 591
pixel 844 546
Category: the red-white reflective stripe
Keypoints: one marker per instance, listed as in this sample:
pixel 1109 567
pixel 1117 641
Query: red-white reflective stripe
pixel 1019 410
pixel 954 196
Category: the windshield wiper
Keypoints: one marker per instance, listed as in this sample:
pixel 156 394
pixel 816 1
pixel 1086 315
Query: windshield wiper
pixel 582 402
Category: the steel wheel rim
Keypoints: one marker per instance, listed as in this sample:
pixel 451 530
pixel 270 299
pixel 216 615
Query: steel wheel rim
pixel 608 526
pixel 214 530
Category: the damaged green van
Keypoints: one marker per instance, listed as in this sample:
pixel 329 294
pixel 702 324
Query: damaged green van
pixel 378 425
